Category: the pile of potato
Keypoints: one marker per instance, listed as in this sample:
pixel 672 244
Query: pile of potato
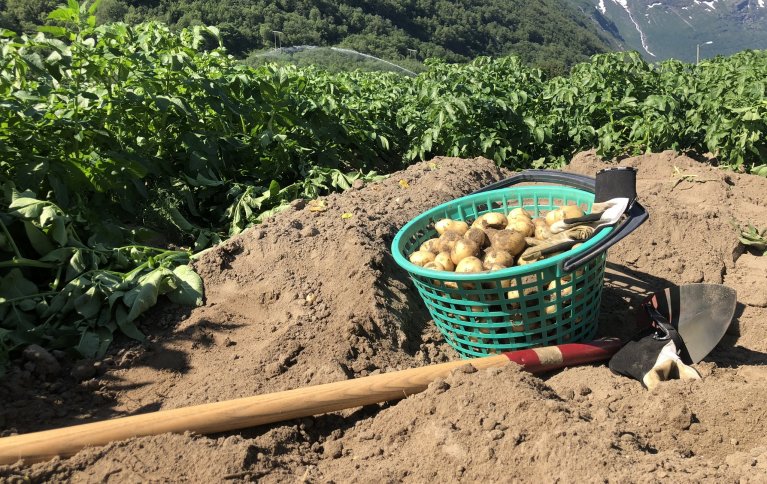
pixel 494 241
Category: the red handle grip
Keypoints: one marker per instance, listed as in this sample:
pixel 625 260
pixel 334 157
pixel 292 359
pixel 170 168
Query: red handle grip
pixel 540 360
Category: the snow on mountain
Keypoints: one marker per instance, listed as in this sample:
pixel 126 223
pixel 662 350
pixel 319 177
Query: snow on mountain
pixel 660 29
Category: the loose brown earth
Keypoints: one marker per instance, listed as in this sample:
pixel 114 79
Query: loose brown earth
pixel 313 297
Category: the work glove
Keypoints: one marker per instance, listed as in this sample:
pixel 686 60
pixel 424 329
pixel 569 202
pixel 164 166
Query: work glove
pixel 602 214
pixel 655 355
pixel 556 244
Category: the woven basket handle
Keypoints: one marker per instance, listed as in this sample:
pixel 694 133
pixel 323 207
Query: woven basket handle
pixel 636 213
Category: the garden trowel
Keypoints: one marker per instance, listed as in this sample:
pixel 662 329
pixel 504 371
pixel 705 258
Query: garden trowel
pixel 686 323
pixel 701 313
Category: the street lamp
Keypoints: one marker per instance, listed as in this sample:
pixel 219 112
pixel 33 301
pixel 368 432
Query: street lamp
pixel 697 50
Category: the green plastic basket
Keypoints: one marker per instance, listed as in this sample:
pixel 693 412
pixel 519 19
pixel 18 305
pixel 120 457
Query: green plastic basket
pixel 477 313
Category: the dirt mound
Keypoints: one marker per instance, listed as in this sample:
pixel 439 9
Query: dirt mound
pixel 314 296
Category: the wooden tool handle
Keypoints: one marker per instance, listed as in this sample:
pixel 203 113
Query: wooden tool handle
pixel 276 407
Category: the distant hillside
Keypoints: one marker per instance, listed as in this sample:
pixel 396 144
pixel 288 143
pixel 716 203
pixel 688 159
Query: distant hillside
pixel 550 33
pixel 662 29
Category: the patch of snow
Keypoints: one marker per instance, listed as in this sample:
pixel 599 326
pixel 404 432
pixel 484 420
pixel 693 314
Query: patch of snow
pixel 761 3
pixel 711 5
pixel 601 7
pixel 625 5
pixel 658 4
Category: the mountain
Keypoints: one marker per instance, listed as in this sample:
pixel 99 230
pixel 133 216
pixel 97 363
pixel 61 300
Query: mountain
pixel 662 29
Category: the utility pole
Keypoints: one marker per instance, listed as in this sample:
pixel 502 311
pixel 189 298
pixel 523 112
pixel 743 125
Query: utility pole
pixel 697 51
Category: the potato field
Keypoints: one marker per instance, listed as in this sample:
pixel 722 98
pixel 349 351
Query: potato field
pixel 126 150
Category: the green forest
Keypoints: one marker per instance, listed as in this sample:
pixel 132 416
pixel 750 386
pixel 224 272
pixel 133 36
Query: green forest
pixel 547 33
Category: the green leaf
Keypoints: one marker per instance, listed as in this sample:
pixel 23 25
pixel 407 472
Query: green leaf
pixel 89 304
pixel 53 30
pixel 89 344
pixel 28 208
pixel 37 239
pixel 144 295
pixel 189 287
pixel 14 285
pixel 126 325
pixel 77 264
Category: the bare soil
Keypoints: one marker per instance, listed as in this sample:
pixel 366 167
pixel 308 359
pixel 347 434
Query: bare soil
pixel 313 297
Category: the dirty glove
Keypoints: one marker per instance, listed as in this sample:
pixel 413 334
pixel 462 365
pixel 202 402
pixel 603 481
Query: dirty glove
pixel 654 356
pixel 540 249
pixel 602 214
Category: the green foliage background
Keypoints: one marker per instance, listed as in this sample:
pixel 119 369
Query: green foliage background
pixel 126 149
pixel 551 34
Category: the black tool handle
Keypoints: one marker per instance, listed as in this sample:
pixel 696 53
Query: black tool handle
pixel 637 214
pixel 581 182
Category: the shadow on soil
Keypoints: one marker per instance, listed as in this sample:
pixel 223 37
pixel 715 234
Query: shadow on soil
pixel 30 403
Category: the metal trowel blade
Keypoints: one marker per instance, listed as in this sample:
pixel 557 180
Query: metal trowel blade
pixel 700 312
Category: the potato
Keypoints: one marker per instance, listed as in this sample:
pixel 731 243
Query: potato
pixel 508 240
pixel 561 213
pixel 448 225
pixel 554 216
pixel 444 259
pixel 462 249
pixel 447 241
pixel 542 231
pixel 565 291
pixel 505 283
pixel 519 212
pixel 434 265
pixel 521 225
pixel 571 211
pixel 469 264
pixel 497 257
pixel 430 246
pixel 421 257
pixel 495 220
pixel 477 235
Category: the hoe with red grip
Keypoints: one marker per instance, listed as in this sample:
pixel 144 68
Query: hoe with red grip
pixel 276 407
pixel 700 313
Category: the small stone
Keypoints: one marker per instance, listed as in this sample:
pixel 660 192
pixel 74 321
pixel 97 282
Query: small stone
pixel 91 384
pixel 358 184
pixel 83 370
pixel 298 204
pixel 45 363
pixel 309 232
pixel 489 424
pixel 126 358
pixel 584 390
pixel 497 434
pixel 229 342
pixel 310 298
pixel 333 449
pixel 734 441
